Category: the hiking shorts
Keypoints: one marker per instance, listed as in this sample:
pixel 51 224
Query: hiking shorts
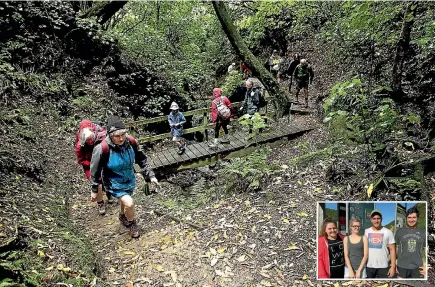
pixel 301 85
pixel 120 193
pixel 176 139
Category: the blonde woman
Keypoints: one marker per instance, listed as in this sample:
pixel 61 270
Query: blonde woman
pixel 356 250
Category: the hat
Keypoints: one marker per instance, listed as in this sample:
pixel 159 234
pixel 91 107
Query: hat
pixel 174 106
pixel 374 212
pixel 217 92
pixel 114 123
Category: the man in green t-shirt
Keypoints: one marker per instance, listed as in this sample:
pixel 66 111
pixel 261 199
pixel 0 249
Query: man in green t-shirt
pixel 411 247
pixel 303 75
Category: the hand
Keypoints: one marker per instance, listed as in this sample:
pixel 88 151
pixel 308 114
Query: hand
pixel 358 274
pixel 391 271
pixel 155 181
pixel 351 274
pixel 423 270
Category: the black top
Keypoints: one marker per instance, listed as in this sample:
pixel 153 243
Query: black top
pixel 336 258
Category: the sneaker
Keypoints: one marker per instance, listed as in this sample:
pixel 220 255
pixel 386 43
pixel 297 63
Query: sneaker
pixel 225 140
pixel 214 144
pixel 181 150
pixel 123 219
pixel 101 207
pixel 134 229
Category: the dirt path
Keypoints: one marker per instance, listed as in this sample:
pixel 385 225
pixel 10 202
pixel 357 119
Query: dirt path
pixel 264 238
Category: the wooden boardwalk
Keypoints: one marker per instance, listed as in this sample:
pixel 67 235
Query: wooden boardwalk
pixel 197 151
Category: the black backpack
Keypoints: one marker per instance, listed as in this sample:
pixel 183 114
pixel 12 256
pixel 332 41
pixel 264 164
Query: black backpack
pixel 261 100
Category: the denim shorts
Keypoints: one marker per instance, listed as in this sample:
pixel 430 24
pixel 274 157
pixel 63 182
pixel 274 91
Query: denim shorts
pixel 346 272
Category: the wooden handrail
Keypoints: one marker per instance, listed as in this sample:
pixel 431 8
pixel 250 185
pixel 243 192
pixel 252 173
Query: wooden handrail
pixel 205 125
pixel 165 118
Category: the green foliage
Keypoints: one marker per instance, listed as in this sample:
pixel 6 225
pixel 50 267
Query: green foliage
pixel 248 173
pixel 232 82
pixel 181 41
pixel 254 122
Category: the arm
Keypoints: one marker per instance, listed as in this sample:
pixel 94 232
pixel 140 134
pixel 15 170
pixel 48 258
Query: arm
pixel 365 257
pixel 392 248
pixel 347 259
pixel 256 98
pixel 182 119
pixel 213 112
pixel 311 74
pixel 141 160
pixel 171 121
pixel 80 155
pixel 96 167
pixel 423 269
pixel 321 272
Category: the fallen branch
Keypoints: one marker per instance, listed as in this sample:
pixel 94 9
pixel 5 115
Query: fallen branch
pixel 193 225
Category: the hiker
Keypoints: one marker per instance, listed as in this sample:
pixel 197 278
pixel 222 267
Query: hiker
pixel 411 245
pixel 330 251
pixel 356 248
pixel 274 63
pixel 221 113
pixel 176 121
pixel 294 63
pixel 303 75
pixel 231 67
pixel 113 159
pixel 247 73
pixel 251 103
pixel 381 249
pixel 89 135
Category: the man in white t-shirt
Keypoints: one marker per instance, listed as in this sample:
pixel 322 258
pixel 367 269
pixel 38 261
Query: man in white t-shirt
pixel 381 244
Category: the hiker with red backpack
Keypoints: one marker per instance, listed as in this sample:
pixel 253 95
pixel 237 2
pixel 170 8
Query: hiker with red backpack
pixel 89 135
pixel 113 159
pixel 221 113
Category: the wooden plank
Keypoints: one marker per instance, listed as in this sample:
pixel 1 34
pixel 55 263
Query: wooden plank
pixel 169 156
pixel 154 161
pixel 163 158
pixel 188 152
pixel 238 139
pixel 197 152
pixel 204 149
pixel 174 153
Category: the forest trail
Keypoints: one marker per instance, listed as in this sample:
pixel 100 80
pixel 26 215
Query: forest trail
pixel 264 238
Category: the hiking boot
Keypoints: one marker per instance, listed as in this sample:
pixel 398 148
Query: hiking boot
pixel 134 229
pixel 123 219
pixel 225 140
pixel 101 207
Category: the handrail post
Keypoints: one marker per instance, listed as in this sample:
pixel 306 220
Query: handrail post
pixel 205 125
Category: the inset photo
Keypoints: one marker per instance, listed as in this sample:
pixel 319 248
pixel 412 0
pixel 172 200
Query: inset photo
pixel 372 240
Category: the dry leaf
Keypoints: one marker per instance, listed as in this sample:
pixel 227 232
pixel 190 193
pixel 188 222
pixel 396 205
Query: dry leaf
pixel 292 246
pixel 213 251
pixel 214 260
pixel 129 252
pixel 221 250
pixel 158 267
pixel 305 277
pixel 302 214
pixel 285 220
pixel 266 283
pixel 111 270
pixel 241 258
pixel 370 190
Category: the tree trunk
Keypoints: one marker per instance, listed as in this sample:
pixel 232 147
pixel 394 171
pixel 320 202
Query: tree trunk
pixel 104 10
pixel 402 49
pixel 279 99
